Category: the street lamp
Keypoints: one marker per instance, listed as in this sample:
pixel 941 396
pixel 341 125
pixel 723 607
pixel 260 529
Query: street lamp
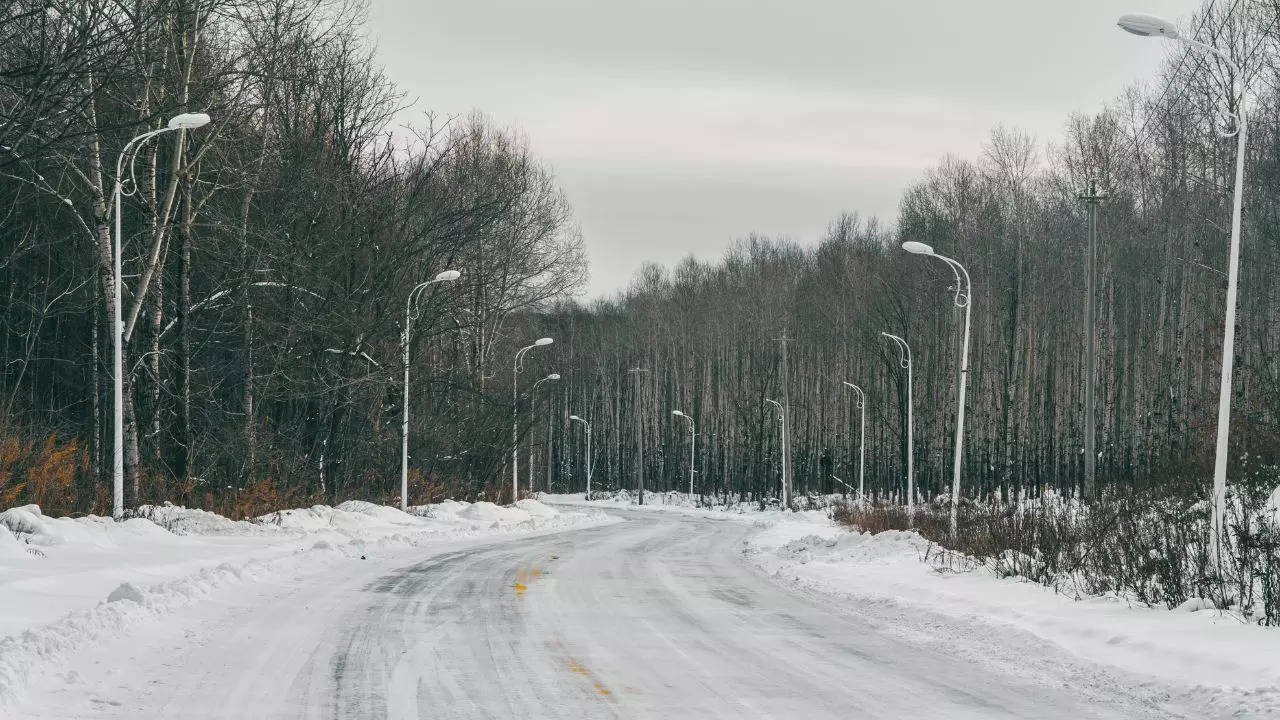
pixel 551 377
pixel 185 121
pixel 782 418
pixel 1150 26
pixel 904 360
pixel 862 439
pixel 963 299
pixel 588 426
pixel 412 310
pixel 693 435
pixel 516 367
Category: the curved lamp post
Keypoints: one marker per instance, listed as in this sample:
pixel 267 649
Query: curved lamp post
pixel 782 418
pixel 552 377
pixel 904 360
pixel 412 310
pixel 588 427
pixel 185 121
pixel 516 367
pixel 963 299
pixel 1151 26
pixel 693 435
pixel 862 439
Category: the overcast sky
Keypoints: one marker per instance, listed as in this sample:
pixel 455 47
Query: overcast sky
pixel 678 126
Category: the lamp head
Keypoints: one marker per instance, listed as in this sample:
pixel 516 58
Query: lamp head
pixel 553 376
pixel 449 275
pixel 917 248
pixel 543 341
pixel 677 413
pixel 574 417
pixel 1148 26
pixel 188 121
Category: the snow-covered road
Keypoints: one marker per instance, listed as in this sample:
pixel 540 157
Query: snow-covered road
pixel 654 617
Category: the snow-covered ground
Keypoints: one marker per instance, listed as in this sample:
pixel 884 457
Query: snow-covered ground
pixel 155 616
pixel 1211 659
pixel 66 583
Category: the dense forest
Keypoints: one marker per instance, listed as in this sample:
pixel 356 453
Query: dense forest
pixel 268 257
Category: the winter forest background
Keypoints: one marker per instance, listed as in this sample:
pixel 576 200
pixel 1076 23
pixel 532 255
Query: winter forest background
pixel 268 257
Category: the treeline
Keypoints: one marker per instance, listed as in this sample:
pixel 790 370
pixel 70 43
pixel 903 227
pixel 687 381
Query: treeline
pixel 707 332
pixel 267 257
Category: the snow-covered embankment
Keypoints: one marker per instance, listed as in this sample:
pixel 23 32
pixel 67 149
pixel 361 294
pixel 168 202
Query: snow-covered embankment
pixel 66 582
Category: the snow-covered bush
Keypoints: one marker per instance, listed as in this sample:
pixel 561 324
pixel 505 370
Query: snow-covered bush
pixel 1150 547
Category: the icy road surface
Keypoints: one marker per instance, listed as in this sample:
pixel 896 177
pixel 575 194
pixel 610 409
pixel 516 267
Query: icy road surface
pixel 654 617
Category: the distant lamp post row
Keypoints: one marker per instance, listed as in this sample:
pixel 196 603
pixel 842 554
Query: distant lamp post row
pixel 185 121
pixel 1151 26
pixel 412 310
pixel 516 367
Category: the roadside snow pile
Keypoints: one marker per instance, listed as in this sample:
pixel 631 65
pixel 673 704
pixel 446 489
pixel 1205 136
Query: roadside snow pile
pixel 193 521
pixel 29 525
pixel 65 582
pixel 1213 658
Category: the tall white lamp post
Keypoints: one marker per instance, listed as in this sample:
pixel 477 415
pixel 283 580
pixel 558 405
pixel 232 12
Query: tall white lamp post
pixel 1150 26
pixel 862 439
pixel 185 121
pixel 587 424
pixel 963 299
pixel 412 309
pixel 693 439
pixel 904 360
pixel 516 367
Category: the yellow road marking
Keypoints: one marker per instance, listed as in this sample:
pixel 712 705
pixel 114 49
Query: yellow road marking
pixel 579 669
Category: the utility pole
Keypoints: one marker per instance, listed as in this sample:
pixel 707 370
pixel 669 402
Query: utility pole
pixel 639 435
pixel 786 431
pixel 1091 197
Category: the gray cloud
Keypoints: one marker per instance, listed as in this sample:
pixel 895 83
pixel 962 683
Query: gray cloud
pixel 677 127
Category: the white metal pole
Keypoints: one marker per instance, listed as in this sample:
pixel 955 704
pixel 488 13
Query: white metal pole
pixel 532 419
pixel 588 458
pixel 862 451
pixel 862 439
pixel 693 444
pixel 409 316
pixel 964 381
pixel 515 429
pixel 904 360
pixel 117 368
pixel 911 444
pixel 782 419
pixel 515 417
pixel 117 334
pixel 1229 324
pixel 963 299
pixel 404 423
pixel 1149 26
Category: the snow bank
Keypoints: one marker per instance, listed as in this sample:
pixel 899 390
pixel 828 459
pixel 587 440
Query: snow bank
pixel 66 582
pixel 1214 660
